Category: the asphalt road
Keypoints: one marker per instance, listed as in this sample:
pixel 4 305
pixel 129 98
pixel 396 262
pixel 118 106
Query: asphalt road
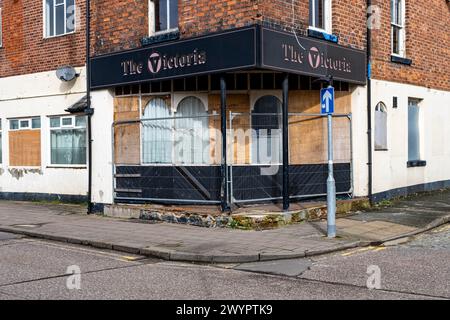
pixel 36 269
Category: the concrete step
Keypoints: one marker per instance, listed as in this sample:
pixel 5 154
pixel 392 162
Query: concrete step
pixel 260 217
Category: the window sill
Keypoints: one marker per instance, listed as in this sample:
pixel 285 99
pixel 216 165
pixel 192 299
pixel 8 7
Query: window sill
pixel 322 34
pixel 159 37
pixel 59 35
pixel 416 163
pixel 401 60
pixel 66 167
pixel 381 149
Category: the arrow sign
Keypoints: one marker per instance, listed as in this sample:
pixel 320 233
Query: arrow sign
pixel 327 100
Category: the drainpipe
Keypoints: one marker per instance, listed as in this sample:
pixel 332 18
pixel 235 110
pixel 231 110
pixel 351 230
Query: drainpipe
pixel 369 104
pixel 89 111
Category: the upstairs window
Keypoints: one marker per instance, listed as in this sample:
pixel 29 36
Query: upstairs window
pixel 59 17
pixel 320 15
pixel 398 27
pixel 163 15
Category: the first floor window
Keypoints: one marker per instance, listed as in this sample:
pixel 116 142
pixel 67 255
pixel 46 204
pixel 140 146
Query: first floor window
pixel 163 15
pixel 381 127
pixel 68 140
pixel 413 130
pixel 59 17
pixel 398 27
pixel 320 14
pixel 266 125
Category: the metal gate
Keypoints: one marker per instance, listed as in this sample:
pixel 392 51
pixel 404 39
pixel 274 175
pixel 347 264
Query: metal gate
pixel 168 160
pixel 255 156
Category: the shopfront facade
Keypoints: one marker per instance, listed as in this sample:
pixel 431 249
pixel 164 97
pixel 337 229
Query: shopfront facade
pixel 171 103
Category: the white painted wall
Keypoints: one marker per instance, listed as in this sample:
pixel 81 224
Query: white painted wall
pixel 390 167
pixel 40 94
pixel 359 140
pixel 102 179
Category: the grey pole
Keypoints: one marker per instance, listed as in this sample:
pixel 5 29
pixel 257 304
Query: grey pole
pixel 331 184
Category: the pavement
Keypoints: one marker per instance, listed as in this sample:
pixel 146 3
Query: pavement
pixel 68 223
pixel 38 269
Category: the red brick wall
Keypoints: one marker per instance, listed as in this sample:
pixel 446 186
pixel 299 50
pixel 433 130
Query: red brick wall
pixel 427 44
pixel 349 18
pixel 120 24
pixel 24 48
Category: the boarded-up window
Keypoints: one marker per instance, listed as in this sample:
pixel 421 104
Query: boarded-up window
pixel 380 127
pixel 25 142
pixel 127 135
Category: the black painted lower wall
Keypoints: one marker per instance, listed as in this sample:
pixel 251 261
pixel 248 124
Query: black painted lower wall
pixel 401 192
pixel 203 183
pixel 29 196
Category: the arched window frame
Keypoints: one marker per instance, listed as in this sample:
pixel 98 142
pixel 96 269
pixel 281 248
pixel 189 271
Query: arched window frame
pixel 255 140
pixel 381 128
pixel 201 154
pixel 167 158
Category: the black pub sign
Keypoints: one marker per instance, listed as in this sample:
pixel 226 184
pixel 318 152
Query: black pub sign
pixel 240 49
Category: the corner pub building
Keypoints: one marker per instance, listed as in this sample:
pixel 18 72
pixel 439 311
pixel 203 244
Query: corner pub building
pixel 168 77
pixel 172 99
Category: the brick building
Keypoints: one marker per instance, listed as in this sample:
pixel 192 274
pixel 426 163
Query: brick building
pixel 168 77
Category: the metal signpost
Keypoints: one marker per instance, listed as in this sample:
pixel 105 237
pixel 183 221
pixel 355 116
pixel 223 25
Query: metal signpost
pixel 327 107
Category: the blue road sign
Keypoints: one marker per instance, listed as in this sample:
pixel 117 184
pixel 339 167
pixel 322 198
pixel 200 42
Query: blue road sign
pixel 327 100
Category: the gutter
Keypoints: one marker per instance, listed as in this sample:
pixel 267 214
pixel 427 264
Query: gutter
pixel 369 104
pixel 89 111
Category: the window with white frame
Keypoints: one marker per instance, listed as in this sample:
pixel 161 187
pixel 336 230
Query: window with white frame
pixel 68 140
pixel 163 15
pixel 59 17
pixel 25 124
pixel 320 15
pixel 181 137
pixel 413 130
pixel 192 132
pixel 398 27
pixel 380 127
pixel 157 134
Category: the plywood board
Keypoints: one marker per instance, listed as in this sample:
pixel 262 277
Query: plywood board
pixel 25 148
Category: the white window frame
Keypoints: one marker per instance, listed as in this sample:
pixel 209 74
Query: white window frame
pixel 61 127
pixel 20 128
pixel 382 108
pixel 152 20
pixel 44 16
pixel 175 100
pixel 328 17
pixel 402 26
pixel 420 128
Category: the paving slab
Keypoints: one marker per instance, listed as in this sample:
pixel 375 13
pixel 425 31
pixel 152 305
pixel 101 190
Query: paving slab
pixel 220 245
